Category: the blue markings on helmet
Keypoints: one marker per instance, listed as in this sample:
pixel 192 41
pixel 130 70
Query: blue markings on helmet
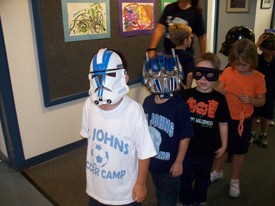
pixel 101 69
pixel 158 85
pixel 161 62
pixel 97 81
pixel 153 65
pixel 169 64
pixel 171 82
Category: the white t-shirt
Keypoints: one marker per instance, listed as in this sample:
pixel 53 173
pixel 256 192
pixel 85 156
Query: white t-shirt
pixel 116 140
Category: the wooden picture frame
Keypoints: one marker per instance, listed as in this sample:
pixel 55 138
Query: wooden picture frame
pixel 237 6
pixel 137 17
pixel 86 19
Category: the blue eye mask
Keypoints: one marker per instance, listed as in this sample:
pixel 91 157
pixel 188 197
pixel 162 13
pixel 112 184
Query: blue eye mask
pixel 210 74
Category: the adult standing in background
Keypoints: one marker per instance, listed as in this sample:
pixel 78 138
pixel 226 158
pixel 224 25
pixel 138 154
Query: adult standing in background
pixel 183 11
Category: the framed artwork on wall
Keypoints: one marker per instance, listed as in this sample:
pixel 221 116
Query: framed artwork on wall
pixel 266 4
pixel 237 6
pixel 64 66
pixel 85 19
pixel 136 17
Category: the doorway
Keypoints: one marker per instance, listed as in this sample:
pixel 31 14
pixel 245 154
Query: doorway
pixel 11 144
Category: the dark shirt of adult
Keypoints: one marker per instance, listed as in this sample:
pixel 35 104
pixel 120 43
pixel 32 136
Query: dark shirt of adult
pixel 179 12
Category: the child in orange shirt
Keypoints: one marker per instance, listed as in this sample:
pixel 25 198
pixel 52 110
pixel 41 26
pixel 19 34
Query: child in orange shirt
pixel 244 88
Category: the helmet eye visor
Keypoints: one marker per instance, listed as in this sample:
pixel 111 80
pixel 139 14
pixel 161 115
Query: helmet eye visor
pixel 111 74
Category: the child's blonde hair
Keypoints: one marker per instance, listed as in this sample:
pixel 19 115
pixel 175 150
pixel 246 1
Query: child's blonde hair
pixel 178 32
pixel 243 50
pixel 212 58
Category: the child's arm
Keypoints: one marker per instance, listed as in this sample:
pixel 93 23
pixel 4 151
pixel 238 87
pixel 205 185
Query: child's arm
pixel 258 101
pixel 224 136
pixel 220 88
pixel 140 189
pixel 189 80
pixel 176 169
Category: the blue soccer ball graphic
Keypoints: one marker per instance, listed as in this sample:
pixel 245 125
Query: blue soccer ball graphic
pixel 100 155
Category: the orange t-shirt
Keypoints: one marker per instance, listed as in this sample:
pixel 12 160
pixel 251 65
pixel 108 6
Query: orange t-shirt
pixel 236 84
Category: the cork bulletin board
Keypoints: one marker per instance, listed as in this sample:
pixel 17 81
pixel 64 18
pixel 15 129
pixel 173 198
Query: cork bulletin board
pixel 64 66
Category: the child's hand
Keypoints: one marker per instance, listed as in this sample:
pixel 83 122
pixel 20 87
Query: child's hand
pixel 260 40
pixel 245 99
pixel 139 192
pixel 220 152
pixel 176 169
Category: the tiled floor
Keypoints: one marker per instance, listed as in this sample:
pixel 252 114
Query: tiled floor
pixel 15 190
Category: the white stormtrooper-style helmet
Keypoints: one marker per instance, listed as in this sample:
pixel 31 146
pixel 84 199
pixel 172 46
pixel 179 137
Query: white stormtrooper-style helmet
pixel 107 78
pixel 162 74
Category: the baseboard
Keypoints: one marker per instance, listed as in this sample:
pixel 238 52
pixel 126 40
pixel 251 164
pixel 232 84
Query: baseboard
pixel 54 153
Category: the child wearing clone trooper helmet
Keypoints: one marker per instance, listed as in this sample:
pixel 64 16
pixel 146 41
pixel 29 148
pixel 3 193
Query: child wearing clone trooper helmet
pixel 169 124
pixel 209 114
pixel 119 142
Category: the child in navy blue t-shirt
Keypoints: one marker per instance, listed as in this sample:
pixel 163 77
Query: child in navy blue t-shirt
pixel 169 124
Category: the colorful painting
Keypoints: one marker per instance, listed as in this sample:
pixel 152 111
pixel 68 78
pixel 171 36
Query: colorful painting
pixel 86 19
pixel 136 17
pixel 164 3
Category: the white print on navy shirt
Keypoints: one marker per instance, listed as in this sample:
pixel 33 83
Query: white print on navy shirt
pixel 164 124
pixel 100 155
